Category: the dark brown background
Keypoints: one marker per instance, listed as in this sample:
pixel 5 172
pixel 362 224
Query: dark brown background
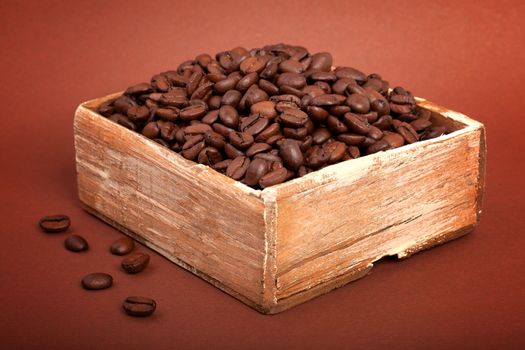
pixel 466 55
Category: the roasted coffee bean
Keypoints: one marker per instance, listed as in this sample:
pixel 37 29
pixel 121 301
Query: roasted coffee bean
pixel 252 64
pixel 394 140
pixel 294 80
pixel 229 116
pixel 335 125
pixel 267 86
pixel 421 124
pixel 295 133
pixel 123 120
pixel 122 246
pixel 97 281
pixel 274 177
pixel 240 140
pixel 246 81
pixel 170 114
pixel 106 109
pixel 254 124
pixel 433 132
pixel 352 73
pixel 374 133
pixel 232 152
pixel 356 124
pixel 317 157
pixel 222 165
pixel 408 132
pixel 214 139
pixel 139 89
pixel 353 152
pixel 321 61
pixel 191 152
pixel 381 145
pixel 197 128
pixel 258 148
pixel 257 169
pixel 269 131
pixel 265 109
pixel 383 122
pixel 139 306
pixel 54 223
pixel 291 154
pixel 231 98
pixel 151 130
pixel 321 135
pixel 135 263
pixel 138 113
pixel 294 118
pixel 336 150
pixel 123 103
pixel 358 103
pixel 76 243
pixel 238 167
pixel 351 139
pixel 209 156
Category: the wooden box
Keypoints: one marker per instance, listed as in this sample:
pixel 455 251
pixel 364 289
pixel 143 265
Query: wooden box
pixel 276 248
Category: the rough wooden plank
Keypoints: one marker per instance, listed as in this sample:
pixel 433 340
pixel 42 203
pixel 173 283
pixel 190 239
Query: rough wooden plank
pixel 190 212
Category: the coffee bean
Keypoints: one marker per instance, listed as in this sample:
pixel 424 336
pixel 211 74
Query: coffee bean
pixel 252 64
pixel 394 140
pixel 254 124
pixel 192 112
pixel 291 154
pixel 257 169
pixel 76 243
pixel 240 140
pixel 295 80
pixel 321 61
pixel 97 281
pixel 54 223
pixel 139 306
pixel 273 178
pixel 238 167
pixel 356 124
pixel 229 116
pixel 294 118
pixel 265 109
pixel 122 246
pixel 135 263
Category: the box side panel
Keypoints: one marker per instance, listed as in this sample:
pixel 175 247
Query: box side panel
pixel 391 203
pixel 188 212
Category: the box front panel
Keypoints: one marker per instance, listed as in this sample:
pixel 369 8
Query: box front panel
pixel 356 212
pixel 188 212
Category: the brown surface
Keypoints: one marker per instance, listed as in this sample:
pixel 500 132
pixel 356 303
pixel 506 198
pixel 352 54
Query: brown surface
pixel 466 294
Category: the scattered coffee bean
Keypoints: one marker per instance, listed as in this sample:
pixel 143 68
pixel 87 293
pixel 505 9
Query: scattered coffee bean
pixel 122 246
pixel 54 223
pixel 227 110
pixel 76 243
pixel 97 281
pixel 139 306
pixel 135 263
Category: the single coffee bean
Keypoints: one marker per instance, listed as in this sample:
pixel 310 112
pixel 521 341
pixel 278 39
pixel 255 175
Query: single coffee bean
pixel 356 124
pixel 348 72
pixel 394 140
pixel 97 281
pixel 336 150
pixel 54 223
pixel 257 169
pixel 358 103
pixel 238 167
pixel 229 116
pixel 291 154
pixel 151 130
pixel 138 113
pixel 122 246
pixel 254 124
pixel 139 306
pixel 294 118
pixel 139 89
pixel 252 64
pixel 192 112
pixel 273 178
pixel 258 148
pixel 240 140
pixel 135 263
pixel 381 145
pixel 294 80
pixel 321 61
pixel 265 109
pixel 209 156
pixel 76 243
pixel 320 136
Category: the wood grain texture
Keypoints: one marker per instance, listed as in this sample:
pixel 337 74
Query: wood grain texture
pixel 275 248
pixel 391 203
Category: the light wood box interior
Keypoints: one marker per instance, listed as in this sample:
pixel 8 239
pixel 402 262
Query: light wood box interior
pixel 276 248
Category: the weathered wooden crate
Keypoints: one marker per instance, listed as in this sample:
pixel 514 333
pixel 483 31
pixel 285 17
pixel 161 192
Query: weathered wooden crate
pixel 276 248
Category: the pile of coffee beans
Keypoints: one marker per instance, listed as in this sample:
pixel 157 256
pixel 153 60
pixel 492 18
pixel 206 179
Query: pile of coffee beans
pixel 132 264
pixel 267 115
